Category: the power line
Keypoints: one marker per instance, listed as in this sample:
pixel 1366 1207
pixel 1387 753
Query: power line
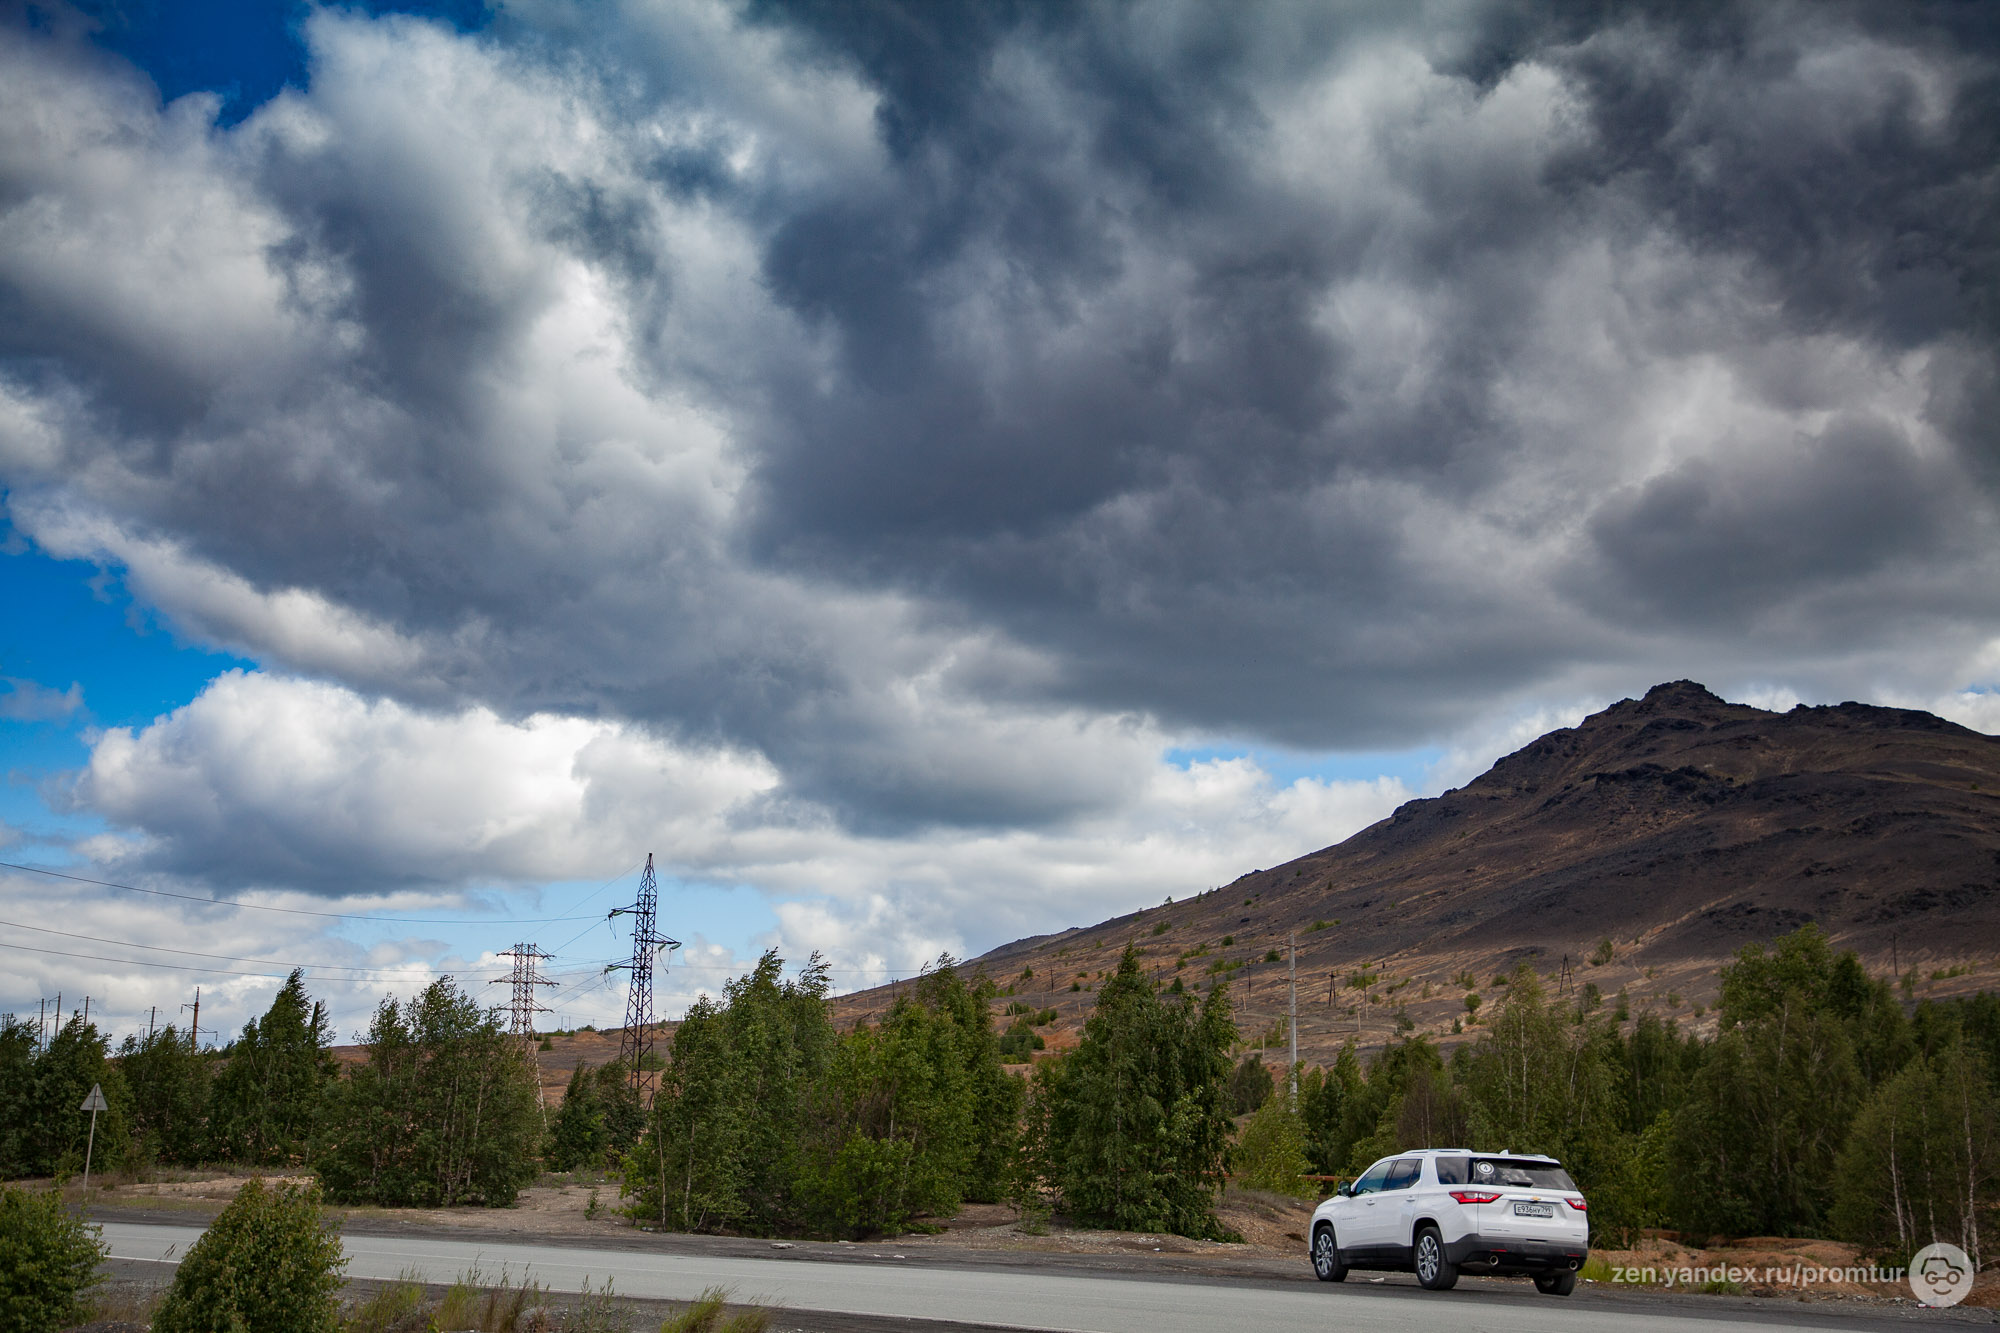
pixel 196 953
pixel 299 911
pixel 172 967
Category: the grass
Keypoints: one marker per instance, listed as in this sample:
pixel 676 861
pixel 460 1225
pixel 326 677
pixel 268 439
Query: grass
pixel 1596 1269
pixel 389 1308
pixel 709 1314
pixel 474 1303
pixel 1720 1286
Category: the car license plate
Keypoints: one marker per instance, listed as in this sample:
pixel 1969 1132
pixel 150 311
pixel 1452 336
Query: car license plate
pixel 1534 1210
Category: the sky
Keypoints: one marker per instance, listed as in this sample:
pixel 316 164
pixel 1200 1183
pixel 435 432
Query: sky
pixel 926 473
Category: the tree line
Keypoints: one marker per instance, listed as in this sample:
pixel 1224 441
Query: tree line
pixel 441 1111
pixel 1822 1105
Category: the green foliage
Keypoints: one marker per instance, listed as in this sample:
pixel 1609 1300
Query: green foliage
pixel 770 1122
pixel 273 1086
pixel 1019 1042
pixel 443 1112
pixel 1131 1129
pixel 169 1082
pixel 1271 1151
pixel 599 1121
pixel 48 1259
pixel 1250 1086
pixel 1925 1150
pixel 42 1132
pixel 1271 955
pixel 268 1262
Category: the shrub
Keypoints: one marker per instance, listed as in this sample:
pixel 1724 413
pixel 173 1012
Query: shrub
pixel 1228 940
pixel 1270 955
pixel 1271 1153
pixel 1160 927
pixel 47 1260
pixel 268 1262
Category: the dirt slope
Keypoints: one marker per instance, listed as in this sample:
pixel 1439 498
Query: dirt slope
pixel 1677 826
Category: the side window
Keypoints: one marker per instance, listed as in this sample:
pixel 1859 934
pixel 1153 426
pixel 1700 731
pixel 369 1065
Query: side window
pixel 1373 1178
pixel 1452 1170
pixel 1404 1174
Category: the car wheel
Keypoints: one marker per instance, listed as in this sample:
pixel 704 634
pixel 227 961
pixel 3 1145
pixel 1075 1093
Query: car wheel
pixel 1434 1271
pixel 1326 1257
pixel 1555 1284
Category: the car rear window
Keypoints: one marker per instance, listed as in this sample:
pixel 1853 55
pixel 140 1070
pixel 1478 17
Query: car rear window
pixel 1511 1171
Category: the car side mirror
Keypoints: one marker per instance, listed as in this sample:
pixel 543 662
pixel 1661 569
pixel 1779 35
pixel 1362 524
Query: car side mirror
pixel 1345 1191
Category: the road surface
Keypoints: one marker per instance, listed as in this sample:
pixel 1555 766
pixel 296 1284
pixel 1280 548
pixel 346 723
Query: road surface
pixel 1019 1298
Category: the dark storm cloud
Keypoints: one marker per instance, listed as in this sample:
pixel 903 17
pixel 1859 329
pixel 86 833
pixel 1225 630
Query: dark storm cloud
pixel 905 390
pixel 1838 161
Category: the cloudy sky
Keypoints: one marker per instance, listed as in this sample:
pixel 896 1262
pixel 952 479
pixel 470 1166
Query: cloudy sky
pixel 929 473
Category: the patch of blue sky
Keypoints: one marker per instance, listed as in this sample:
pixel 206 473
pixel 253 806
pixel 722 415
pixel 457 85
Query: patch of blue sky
pixel 1412 766
pixel 244 51
pixel 64 624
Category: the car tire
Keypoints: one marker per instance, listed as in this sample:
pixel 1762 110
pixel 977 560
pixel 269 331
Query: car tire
pixel 1435 1272
pixel 1326 1256
pixel 1555 1284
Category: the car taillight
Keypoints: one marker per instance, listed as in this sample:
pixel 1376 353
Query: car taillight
pixel 1475 1196
pixel 1577 1204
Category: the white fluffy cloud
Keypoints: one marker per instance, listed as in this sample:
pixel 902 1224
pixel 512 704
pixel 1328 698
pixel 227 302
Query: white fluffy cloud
pixel 267 781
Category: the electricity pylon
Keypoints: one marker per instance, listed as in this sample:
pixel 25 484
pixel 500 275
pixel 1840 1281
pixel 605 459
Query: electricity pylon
pixel 524 981
pixel 647 941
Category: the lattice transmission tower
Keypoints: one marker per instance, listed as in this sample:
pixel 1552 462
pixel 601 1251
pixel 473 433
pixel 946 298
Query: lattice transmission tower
pixel 647 942
pixel 525 979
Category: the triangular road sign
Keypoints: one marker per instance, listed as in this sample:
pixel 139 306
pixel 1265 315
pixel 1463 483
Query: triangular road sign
pixel 95 1101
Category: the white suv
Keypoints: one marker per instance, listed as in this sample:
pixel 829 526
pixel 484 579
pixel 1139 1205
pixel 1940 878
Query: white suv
pixel 1445 1210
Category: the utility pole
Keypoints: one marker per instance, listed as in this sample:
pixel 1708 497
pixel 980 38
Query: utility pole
pixel 1293 1025
pixel 86 1008
pixel 647 941
pixel 194 1028
pixel 152 1021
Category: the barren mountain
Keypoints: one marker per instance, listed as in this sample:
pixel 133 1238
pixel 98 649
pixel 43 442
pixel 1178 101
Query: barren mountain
pixel 1677 827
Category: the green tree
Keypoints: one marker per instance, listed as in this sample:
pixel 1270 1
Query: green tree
pixel 1326 1097
pixel 1250 1085
pixel 443 1112
pixel 45 1132
pixel 48 1259
pixel 1271 1151
pixel 1136 1134
pixel 577 1138
pixel 269 1261
pixel 1770 1109
pixel 916 1115
pixel 1923 1160
pixel 169 1081
pixel 274 1084
pixel 728 1132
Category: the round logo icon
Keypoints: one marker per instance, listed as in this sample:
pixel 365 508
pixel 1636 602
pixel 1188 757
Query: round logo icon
pixel 1941 1274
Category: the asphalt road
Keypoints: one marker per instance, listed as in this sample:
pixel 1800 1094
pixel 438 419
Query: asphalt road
pixel 1020 1298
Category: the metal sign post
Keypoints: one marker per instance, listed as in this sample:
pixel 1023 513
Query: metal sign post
pixel 93 1103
